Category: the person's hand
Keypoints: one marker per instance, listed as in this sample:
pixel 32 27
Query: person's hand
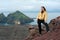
pixel 44 21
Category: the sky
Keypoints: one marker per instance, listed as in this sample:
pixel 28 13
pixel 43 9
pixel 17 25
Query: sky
pixel 29 5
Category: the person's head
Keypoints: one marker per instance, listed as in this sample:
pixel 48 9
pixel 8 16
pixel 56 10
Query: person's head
pixel 43 9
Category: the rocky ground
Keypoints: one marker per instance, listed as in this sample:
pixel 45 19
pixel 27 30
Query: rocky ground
pixel 53 34
pixel 13 32
pixel 30 32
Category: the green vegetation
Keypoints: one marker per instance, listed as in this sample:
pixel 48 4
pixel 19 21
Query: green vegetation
pixel 18 16
pixel 3 19
pixel 14 17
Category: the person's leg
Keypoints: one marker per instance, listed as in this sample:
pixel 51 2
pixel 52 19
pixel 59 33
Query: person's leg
pixel 39 25
pixel 47 27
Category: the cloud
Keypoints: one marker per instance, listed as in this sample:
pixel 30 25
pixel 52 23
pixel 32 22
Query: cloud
pixel 29 5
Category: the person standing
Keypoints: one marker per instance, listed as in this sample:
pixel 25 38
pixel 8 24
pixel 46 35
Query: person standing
pixel 41 18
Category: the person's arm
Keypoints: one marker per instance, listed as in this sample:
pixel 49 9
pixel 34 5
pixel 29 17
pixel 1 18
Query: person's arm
pixel 46 15
pixel 38 16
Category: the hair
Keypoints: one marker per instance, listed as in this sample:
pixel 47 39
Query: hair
pixel 44 9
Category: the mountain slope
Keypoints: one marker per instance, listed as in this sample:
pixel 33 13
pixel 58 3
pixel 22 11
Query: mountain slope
pixel 18 16
pixel 55 31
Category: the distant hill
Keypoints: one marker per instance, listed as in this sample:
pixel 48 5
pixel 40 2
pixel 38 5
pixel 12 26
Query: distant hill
pixel 3 19
pixel 18 18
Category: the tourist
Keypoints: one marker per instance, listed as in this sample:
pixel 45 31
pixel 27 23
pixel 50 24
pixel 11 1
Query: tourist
pixel 41 18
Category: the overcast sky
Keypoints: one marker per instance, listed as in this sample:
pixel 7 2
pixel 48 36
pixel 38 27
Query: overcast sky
pixel 29 5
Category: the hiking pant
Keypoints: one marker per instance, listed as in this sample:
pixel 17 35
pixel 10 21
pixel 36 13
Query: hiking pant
pixel 39 25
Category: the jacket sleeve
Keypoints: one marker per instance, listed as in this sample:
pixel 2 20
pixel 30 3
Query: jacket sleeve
pixel 46 15
pixel 38 16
